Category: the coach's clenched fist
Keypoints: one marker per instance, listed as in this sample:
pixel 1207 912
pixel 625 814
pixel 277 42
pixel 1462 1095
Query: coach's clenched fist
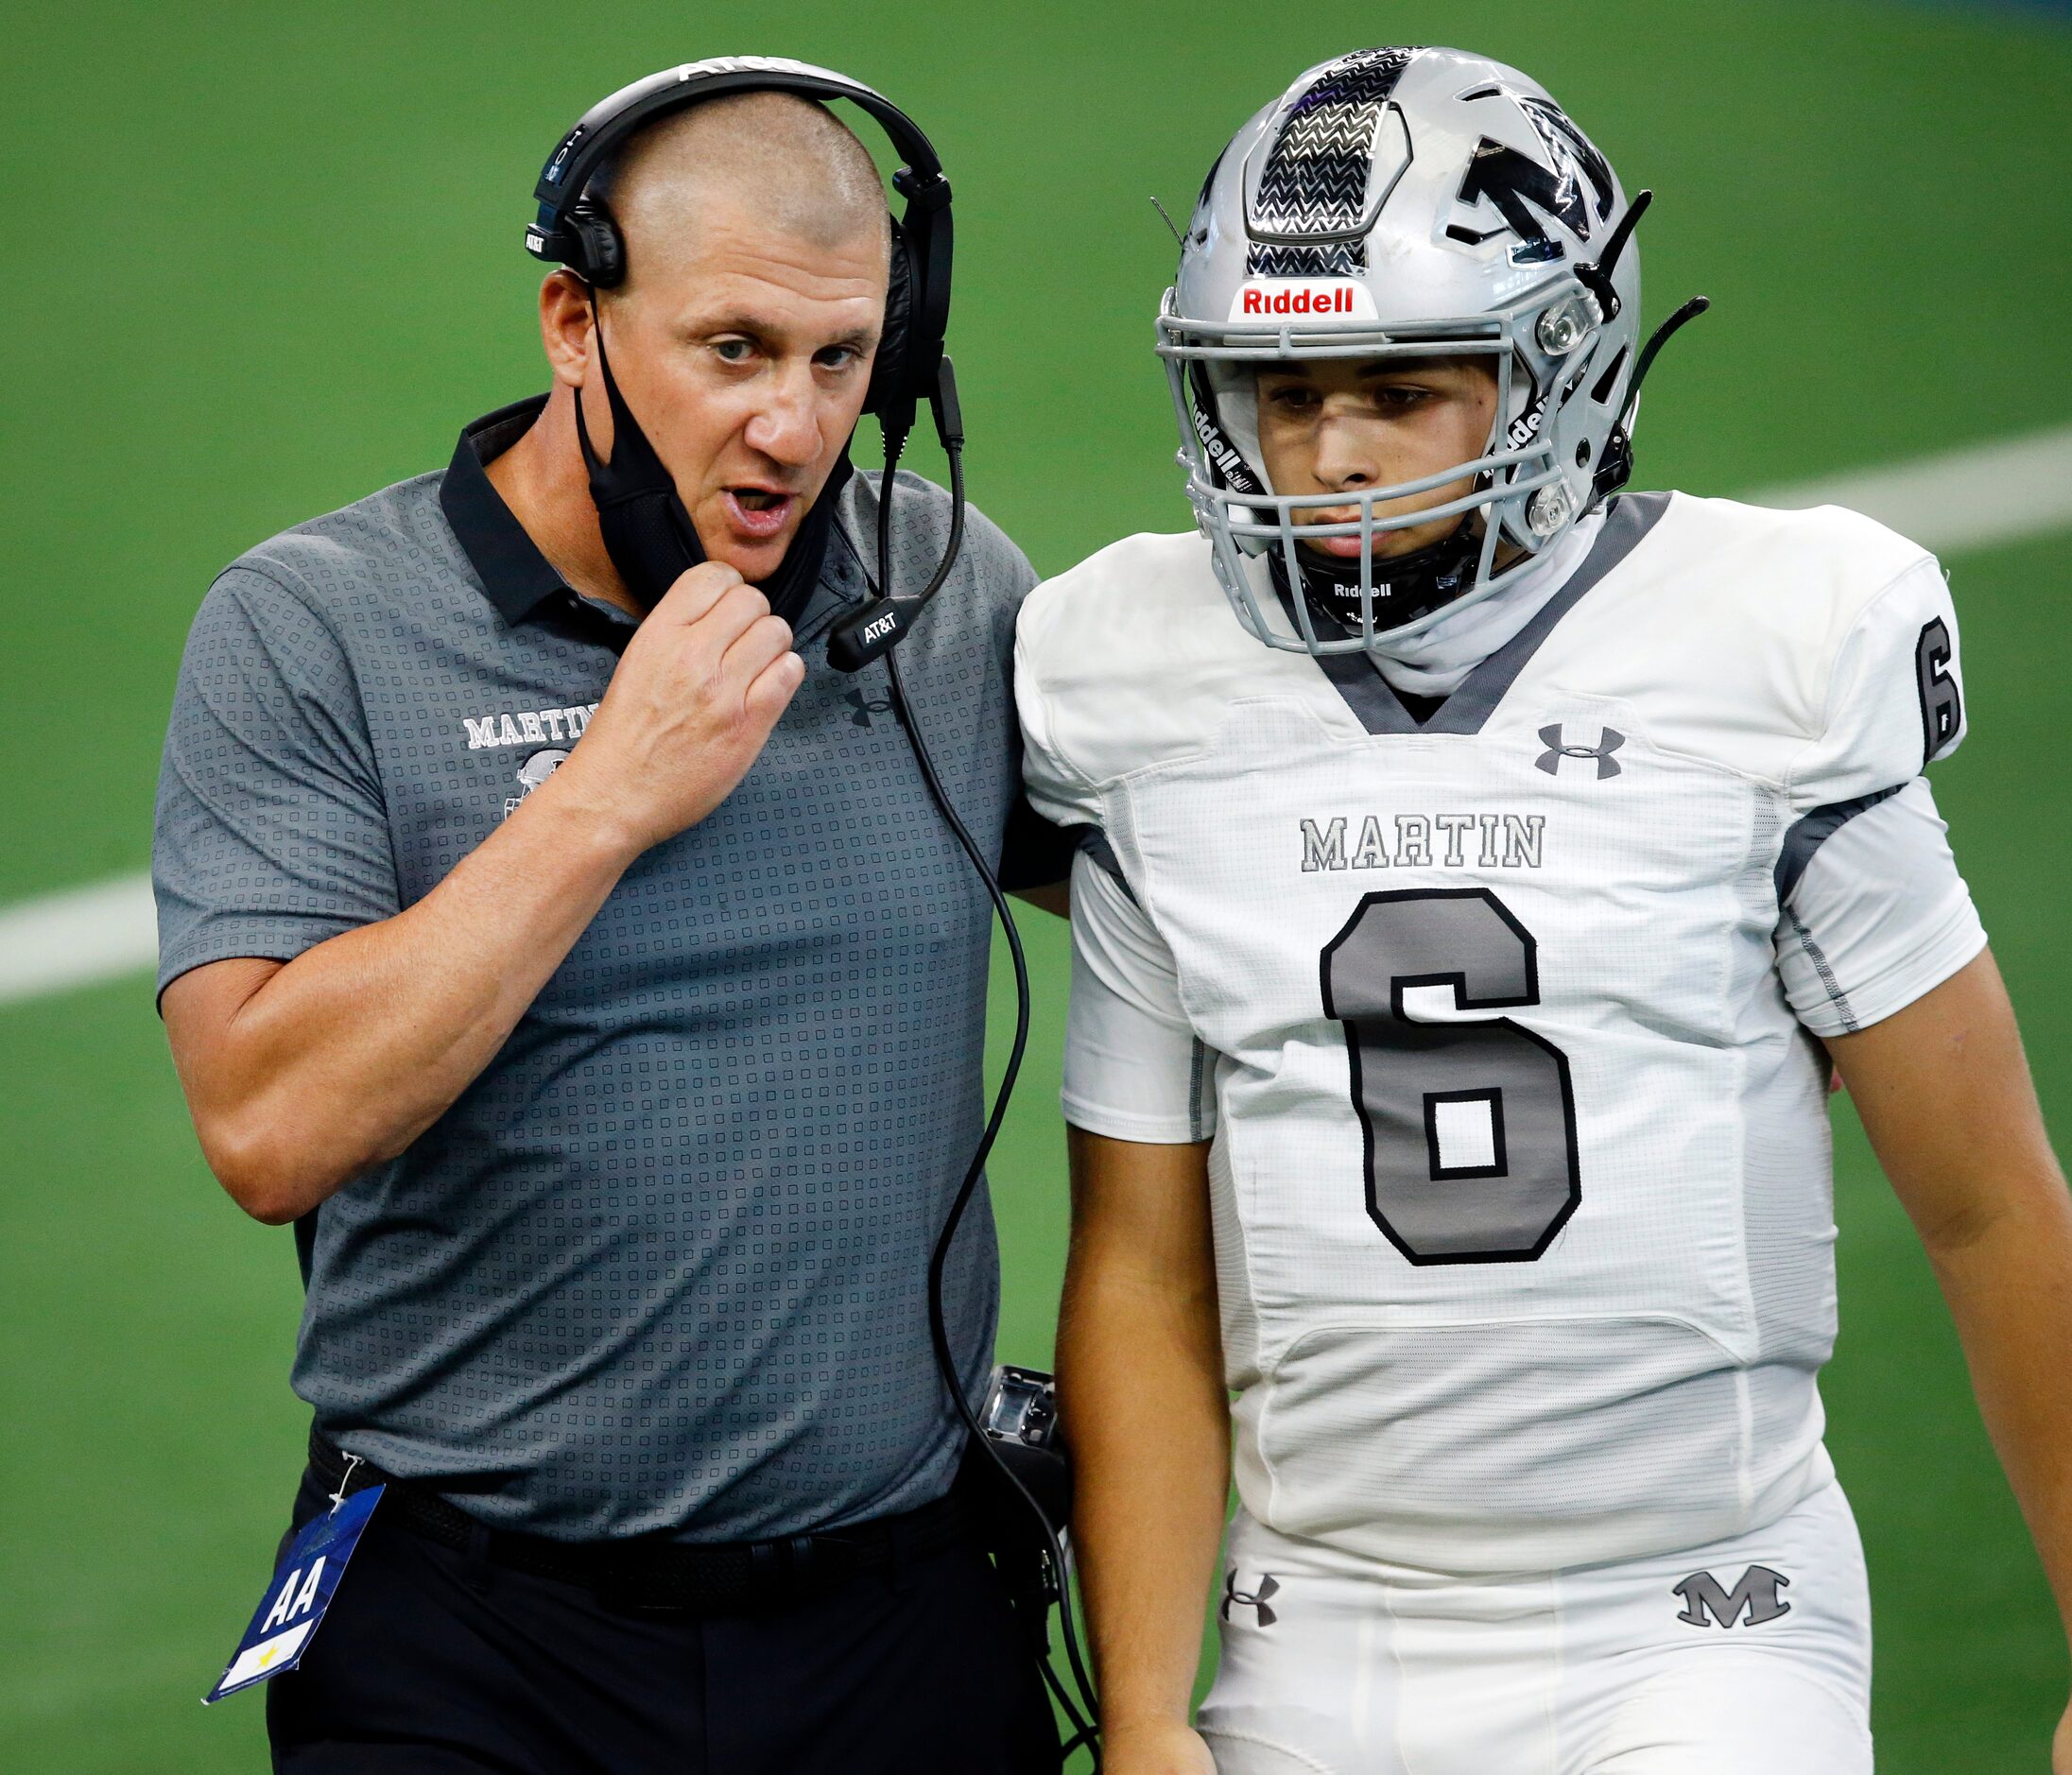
pixel 696 694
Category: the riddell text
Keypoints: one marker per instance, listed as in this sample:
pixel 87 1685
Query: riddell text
pixel 1301 301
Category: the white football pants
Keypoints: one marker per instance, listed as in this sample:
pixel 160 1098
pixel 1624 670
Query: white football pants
pixel 1749 1655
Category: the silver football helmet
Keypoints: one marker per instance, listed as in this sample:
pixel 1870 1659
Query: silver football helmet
pixel 1411 203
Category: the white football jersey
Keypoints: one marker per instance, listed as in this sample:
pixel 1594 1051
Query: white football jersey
pixel 1521 1166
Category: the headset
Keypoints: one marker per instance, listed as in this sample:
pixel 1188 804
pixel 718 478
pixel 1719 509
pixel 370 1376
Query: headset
pixel 576 230
pixel 652 540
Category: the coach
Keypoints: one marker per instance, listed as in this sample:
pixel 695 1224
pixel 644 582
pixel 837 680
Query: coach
pixel 589 978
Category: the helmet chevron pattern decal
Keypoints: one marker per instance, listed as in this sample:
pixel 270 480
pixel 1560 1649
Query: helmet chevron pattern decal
pixel 1315 179
pixel 1340 258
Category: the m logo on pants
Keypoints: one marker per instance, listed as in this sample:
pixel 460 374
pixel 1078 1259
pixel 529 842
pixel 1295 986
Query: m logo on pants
pixel 1705 1604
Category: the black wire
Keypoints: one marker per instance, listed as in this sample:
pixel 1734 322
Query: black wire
pixel 1082 1679
pixel 1083 1732
pixel 895 440
pixel 939 1258
pixel 894 443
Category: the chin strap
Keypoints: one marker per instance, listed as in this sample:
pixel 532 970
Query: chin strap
pixel 1418 582
pixel 647 531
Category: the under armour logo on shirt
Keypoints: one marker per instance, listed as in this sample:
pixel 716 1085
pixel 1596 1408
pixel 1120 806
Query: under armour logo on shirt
pixel 866 707
pixel 1550 760
pixel 1255 1599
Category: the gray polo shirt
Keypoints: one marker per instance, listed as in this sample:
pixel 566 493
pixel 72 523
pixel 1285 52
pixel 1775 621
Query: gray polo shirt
pixel 662 1266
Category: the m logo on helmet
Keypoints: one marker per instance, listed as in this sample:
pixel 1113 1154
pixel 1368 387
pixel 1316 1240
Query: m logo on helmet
pixel 1522 189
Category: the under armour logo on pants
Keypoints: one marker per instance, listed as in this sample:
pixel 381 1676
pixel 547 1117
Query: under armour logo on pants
pixel 1254 1599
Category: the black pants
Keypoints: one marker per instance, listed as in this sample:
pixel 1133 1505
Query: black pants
pixel 435 1662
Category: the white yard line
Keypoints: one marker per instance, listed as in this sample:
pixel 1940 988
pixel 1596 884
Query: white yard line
pixel 75 938
pixel 2005 491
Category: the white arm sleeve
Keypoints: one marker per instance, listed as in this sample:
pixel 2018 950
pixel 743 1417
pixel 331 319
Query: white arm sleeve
pixel 1877 915
pixel 1132 1067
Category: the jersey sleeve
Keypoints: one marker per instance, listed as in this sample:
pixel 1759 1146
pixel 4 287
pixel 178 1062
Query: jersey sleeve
pixel 1875 916
pixel 1058 790
pixel 1894 699
pixel 1134 1068
pixel 1872 912
pixel 271 832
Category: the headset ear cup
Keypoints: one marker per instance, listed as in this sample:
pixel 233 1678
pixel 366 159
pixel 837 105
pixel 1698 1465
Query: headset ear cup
pixel 889 369
pixel 603 253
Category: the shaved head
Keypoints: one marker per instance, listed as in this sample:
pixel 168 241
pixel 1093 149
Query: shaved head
pixel 788 163
pixel 745 333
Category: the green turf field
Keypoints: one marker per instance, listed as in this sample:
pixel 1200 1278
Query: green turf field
pixel 265 259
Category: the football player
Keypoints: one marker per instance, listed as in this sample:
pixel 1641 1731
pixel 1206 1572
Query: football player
pixel 1484 866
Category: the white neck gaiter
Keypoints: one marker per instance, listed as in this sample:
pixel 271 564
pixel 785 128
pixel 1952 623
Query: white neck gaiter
pixel 1434 661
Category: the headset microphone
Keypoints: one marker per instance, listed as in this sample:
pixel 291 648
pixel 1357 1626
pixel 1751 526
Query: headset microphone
pixel 882 623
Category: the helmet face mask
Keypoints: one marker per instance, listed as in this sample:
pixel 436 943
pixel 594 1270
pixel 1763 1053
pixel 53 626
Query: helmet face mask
pixel 1399 203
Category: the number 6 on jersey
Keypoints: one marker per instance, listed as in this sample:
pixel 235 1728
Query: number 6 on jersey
pixel 1470 1128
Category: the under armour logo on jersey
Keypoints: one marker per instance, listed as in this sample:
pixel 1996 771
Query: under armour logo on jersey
pixel 1255 1599
pixel 866 707
pixel 1550 760
pixel 1706 1604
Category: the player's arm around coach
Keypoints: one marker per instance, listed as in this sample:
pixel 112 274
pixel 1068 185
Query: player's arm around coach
pixel 585 970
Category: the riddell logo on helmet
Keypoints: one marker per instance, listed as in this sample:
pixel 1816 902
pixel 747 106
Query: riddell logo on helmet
pixel 1272 298
pixel 1298 298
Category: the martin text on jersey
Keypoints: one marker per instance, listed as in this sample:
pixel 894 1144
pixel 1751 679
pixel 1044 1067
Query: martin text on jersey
pixel 1424 841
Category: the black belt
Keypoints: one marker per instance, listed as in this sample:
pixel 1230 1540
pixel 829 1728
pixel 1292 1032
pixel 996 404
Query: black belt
pixel 649 1572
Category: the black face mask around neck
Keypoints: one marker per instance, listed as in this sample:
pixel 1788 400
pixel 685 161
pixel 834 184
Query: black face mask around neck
pixel 1405 587
pixel 648 534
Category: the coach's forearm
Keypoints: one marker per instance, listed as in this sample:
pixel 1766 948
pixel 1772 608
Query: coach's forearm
pixel 1140 1373
pixel 340 1059
pixel 302 1077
